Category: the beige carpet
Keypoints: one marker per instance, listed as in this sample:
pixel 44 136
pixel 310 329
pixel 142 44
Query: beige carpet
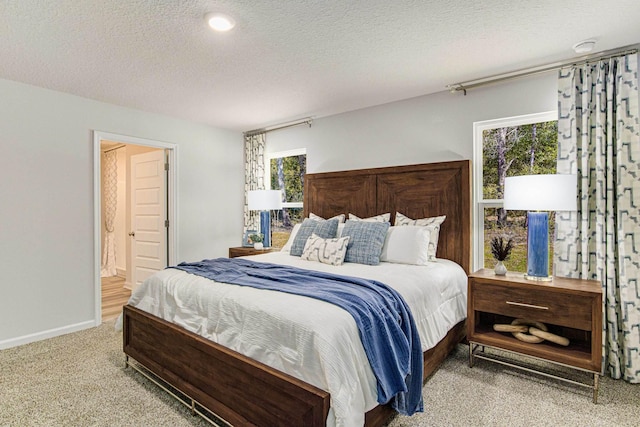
pixel 80 380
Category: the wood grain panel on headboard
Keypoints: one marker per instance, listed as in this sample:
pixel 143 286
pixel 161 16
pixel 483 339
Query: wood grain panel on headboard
pixel 417 191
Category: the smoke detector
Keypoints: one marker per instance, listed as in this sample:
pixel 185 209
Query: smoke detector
pixel 584 46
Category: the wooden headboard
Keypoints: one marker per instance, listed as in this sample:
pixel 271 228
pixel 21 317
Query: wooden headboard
pixel 417 191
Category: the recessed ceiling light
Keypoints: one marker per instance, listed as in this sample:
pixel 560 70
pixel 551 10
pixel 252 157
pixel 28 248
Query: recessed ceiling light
pixel 584 46
pixel 219 21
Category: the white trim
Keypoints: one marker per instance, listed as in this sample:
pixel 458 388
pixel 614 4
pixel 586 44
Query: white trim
pixel 477 195
pixel 172 206
pixel 51 333
pixel 292 205
pixel 286 153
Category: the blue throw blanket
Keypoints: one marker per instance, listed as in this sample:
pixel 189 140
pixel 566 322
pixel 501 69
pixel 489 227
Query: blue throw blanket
pixel 386 326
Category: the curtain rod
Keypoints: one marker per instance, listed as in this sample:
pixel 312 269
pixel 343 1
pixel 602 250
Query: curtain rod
pixel 470 84
pixel 114 148
pixel 306 121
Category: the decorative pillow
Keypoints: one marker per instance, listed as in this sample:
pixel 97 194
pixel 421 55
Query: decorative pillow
pixel 319 218
pixel 432 223
pixel 327 251
pixel 407 245
pixel 292 236
pixel 326 229
pixel 378 218
pixel 366 241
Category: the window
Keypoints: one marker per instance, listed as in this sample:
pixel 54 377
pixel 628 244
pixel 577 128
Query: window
pixel 285 171
pixel 523 145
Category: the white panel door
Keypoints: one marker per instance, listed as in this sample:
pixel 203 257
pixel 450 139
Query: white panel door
pixel 148 215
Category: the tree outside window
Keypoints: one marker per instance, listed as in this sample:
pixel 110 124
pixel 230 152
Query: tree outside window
pixel 523 145
pixel 286 173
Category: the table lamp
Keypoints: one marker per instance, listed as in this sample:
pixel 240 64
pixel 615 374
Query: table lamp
pixel 538 194
pixel 265 201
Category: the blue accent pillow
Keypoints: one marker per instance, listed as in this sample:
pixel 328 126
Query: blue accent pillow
pixel 366 240
pixel 326 229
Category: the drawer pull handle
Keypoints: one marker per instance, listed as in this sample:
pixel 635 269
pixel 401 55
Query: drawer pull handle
pixel 539 307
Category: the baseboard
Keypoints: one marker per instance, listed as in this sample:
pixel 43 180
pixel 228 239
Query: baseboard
pixel 121 272
pixel 127 285
pixel 51 333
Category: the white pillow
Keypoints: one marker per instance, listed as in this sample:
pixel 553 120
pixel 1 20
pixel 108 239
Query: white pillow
pixel 378 218
pixel 432 223
pixel 326 251
pixel 292 236
pixel 407 245
pixel 340 217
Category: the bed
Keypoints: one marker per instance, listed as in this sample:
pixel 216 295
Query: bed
pixel 244 391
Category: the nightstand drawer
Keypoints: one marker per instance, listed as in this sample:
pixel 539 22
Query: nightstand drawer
pixel 557 308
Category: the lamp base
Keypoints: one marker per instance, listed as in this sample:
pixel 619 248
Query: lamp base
pixel 265 228
pixel 538 246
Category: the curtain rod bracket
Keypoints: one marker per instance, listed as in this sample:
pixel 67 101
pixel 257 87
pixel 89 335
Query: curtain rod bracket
pixel 457 87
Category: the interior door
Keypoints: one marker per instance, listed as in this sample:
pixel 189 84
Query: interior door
pixel 148 215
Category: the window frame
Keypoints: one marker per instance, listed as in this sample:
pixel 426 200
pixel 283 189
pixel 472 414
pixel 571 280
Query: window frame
pixel 267 170
pixel 479 202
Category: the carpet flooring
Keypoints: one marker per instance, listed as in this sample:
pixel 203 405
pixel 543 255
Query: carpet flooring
pixel 80 380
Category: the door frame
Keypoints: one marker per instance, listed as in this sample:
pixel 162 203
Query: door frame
pixel 172 204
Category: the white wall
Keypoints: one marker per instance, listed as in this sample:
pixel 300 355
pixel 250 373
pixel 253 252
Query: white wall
pixel 425 129
pixel 46 201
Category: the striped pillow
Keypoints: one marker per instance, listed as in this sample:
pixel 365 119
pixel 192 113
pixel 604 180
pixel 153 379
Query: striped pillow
pixel 326 251
pixel 433 224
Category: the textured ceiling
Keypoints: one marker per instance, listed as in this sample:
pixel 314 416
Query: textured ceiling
pixel 288 59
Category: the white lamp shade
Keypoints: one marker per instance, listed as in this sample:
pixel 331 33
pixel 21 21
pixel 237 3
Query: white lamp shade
pixel 264 200
pixel 540 193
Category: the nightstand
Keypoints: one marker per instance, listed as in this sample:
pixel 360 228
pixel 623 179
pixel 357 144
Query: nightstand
pixel 248 250
pixel 570 308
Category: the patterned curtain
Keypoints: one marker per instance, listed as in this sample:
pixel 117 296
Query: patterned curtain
pixel 254 146
pixel 598 137
pixel 110 185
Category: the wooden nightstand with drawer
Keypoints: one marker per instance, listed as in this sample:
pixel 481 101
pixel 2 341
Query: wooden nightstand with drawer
pixel 570 308
pixel 249 250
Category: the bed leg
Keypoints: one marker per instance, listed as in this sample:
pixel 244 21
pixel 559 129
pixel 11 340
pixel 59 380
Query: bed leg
pixel 126 361
pixel 193 407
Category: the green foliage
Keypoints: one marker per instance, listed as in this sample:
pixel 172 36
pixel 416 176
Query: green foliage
pixel 288 172
pixel 526 149
pixel 512 151
pixel 256 238
pixel 515 229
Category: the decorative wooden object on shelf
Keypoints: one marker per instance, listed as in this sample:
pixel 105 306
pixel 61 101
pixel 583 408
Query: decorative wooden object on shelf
pixel 530 331
pixel 571 310
pixel 248 250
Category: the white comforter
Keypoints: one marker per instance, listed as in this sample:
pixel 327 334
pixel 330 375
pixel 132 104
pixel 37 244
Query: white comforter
pixel 312 340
